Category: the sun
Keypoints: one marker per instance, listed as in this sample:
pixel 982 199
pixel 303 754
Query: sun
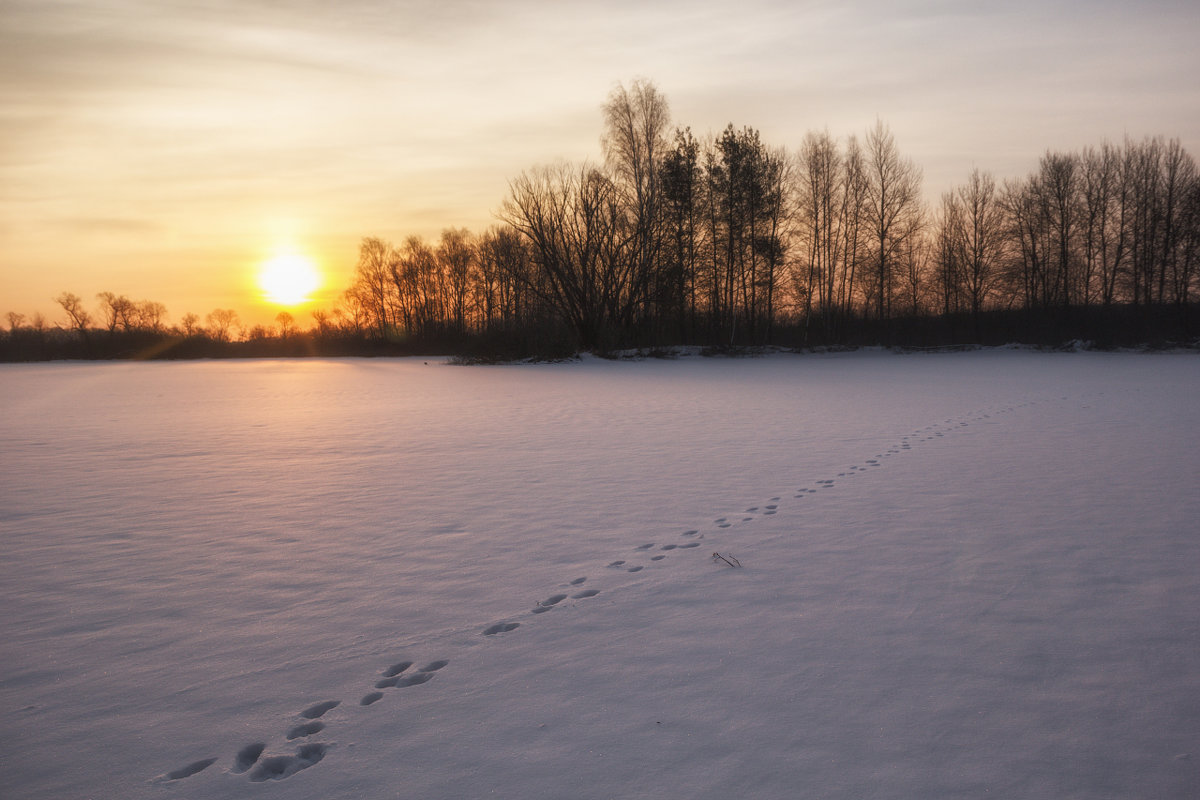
pixel 288 279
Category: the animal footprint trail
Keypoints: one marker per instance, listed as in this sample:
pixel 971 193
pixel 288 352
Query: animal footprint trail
pixel 253 762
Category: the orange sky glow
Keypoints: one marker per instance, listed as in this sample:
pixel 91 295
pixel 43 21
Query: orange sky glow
pixel 167 150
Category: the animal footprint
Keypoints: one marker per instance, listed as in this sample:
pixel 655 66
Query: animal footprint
pixel 319 710
pixel 396 669
pixel 415 679
pixel 368 699
pixel 634 569
pixel 545 605
pixel 434 666
pixel 277 768
pixel 305 729
pixel 690 533
pixel 190 770
pixel 644 546
pixel 616 563
pixel 501 627
pixel 586 593
pixel 668 547
pixel 247 756
pixel 577 581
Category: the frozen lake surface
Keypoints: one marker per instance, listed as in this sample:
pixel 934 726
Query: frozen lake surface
pixel 962 575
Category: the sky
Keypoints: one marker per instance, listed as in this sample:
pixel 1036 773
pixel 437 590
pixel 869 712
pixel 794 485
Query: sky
pixel 166 149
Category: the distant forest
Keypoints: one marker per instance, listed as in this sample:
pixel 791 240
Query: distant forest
pixel 726 242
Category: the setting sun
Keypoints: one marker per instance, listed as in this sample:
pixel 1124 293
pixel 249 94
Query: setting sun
pixel 288 279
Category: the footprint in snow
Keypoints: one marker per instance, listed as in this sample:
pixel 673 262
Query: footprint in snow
pixel 657 558
pixel 247 757
pixel 305 729
pixel 634 569
pixel 616 563
pixel 277 768
pixel 549 602
pixel 396 669
pixel 690 533
pixel 668 547
pixel 189 770
pixel 644 546
pixel 368 699
pixel 586 593
pixel 577 581
pixel 320 709
pixel 416 679
pixel 501 627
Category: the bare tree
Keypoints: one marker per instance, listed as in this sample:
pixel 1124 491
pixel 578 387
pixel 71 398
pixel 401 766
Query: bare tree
pixel 505 275
pixel 1179 178
pixel 286 323
pixel 820 183
pixel 221 322
pixel 571 217
pixel 973 241
pixel 456 256
pixel 149 315
pixel 1106 220
pixel 190 324
pixel 373 291
pixel 893 210
pixel 80 319
pixel 119 311
pixel 635 140
pixel 681 181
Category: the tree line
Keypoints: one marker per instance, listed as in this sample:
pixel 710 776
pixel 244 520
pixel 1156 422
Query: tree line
pixel 723 240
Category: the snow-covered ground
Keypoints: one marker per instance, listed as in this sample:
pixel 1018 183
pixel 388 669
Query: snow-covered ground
pixel 963 575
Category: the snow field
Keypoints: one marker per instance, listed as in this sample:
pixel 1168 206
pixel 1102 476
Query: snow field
pixel 961 574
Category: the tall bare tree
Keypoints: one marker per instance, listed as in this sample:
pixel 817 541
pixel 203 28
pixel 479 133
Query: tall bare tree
pixel 636 121
pixel 79 317
pixel 893 210
pixel 974 240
